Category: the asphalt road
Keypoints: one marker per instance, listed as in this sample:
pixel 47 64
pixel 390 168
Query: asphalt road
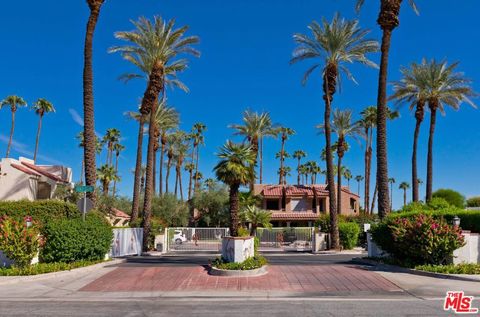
pixel 229 307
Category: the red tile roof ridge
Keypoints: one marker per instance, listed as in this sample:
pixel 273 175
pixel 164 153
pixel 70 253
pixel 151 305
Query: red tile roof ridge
pixel 24 169
pixel 44 172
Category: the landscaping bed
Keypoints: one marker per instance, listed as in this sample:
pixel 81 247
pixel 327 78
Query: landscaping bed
pixel 43 268
pixel 254 266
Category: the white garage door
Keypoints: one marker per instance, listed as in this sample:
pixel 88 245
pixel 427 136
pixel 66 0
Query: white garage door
pixel 299 205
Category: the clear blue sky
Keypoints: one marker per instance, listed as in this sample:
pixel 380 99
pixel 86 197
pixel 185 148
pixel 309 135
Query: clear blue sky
pixel 246 47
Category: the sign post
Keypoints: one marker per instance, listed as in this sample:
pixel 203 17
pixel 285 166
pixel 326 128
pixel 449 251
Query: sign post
pixel 84 190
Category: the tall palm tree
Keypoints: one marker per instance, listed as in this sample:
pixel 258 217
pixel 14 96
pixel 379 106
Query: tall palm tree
pixel 41 107
pixel 197 139
pixel 111 137
pixel 14 102
pixel 190 167
pixel 117 148
pixel 255 127
pixel 209 183
pixel 303 171
pixel 181 150
pixel 411 89
pixel 106 174
pixel 299 154
pixel 388 21
pixel 281 155
pixel 172 140
pixel 391 180
pixel 343 126
pixel 284 133
pixel 347 174
pixel 140 118
pixel 404 186
pixel 419 182
pixel 359 178
pixel 234 169
pixel 333 45
pixel 445 87
pixel 88 102
pixel 154 50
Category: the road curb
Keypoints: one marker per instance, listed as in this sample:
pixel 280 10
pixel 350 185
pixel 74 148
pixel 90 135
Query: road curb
pixel 238 273
pixel 9 280
pixel 395 268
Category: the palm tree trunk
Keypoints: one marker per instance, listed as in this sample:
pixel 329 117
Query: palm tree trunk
pixel 169 165
pixel 261 160
pixel 154 186
pixel 368 155
pixel 160 177
pixel 180 182
pixel 358 189
pixel 433 115
pixel 234 206
pixel 298 172
pixel 391 196
pixel 88 106
pixel 138 171
pixel 404 197
pixel 329 87
pixel 82 173
pixel 254 144
pixel 339 184
pixel 37 139
pixel 382 160
pixel 419 114
pixel 176 181
pixel 190 175
pixel 12 129
pixel 116 174
pixel 196 169
pixel 375 191
pixel 281 161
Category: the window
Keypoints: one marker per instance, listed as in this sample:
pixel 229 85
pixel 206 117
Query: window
pixel 353 204
pixel 44 190
pixel 272 204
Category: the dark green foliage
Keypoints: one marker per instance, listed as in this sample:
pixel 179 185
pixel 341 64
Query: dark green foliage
pixel 251 263
pixel 42 268
pixel 213 206
pixel 42 211
pixel 171 211
pixel 463 268
pixel 454 198
pixel 473 202
pixel 70 240
pixel 348 234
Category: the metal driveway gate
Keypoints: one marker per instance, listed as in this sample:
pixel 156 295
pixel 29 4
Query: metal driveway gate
pixel 195 239
pixel 286 239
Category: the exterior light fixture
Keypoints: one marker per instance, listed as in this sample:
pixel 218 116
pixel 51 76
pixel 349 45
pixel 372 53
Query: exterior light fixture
pixel 456 221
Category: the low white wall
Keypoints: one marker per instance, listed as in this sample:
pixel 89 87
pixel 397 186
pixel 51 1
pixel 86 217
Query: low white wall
pixel 237 249
pixel 320 242
pixel 126 241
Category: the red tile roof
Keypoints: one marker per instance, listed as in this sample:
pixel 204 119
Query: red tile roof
pixel 272 191
pixel 120 214
pixel 292 216
pixel 24 169
pixel 298 190
pixel 44 172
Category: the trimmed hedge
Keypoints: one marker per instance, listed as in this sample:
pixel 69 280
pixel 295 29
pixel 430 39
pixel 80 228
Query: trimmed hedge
pixel 348 234
pixel 473 201
pixel 42 211
pixel 70 240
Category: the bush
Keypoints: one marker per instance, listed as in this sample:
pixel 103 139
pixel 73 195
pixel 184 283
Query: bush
pixel 464 268
pixel 42 211
pixel 419 240
pixel 42 268
pixel 173 212
pixel 454 198
pixel 69 240
pixel 18 242
pixel 473 202
pixel 251 263
pixel 348 234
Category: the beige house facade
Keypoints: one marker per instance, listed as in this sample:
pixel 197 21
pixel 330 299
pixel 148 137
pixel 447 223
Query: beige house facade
pixel 301 205
pixel 23 179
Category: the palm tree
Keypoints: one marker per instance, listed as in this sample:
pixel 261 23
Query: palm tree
pixel 140 118
pixel 210 183
pixel 411 90
pixel 257 218
pixel 234 169
pixel 180 152
pixel 106 174
pixel 388 21
pixel 303 171
pixel 347 174
pixel 41 107
pixel 117 148
pixel 198 176
pixel 391 180
pixel 190 167
pixel 359 178
pixel 445 87
pixel 404 186
pixel 172 140
pixel 197 139
pixel 419 182
pixel 299 154
pixel 282 155
pixel 333 44
pixel 111 137
pixel 88 105
pixel 255 127
pixel 155 47
pixel 283 173
pixel 285 133
pixel 14 102
pixel 344 127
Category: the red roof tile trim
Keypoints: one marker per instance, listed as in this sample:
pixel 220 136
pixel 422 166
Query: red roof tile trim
pixel 300 190
pixel 294 216
pixel 44 172
pixel 120 214
pixel 24 169
pixel 272 191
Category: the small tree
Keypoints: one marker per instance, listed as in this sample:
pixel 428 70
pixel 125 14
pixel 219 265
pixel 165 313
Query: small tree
pixel 453 197
pixel 257 218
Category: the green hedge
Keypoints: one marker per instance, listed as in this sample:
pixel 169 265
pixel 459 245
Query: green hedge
pixel 42 211
pixel 69 240
pixel 348 234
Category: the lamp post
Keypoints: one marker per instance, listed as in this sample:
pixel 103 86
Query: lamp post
pixel 456 221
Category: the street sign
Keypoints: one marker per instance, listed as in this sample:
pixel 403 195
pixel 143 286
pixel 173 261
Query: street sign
pixel 84 189
pixel 85 205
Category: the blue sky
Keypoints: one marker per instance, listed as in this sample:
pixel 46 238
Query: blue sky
pixel 246 47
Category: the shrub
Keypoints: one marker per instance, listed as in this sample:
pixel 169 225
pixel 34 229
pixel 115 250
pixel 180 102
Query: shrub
pixel 172 211
pixel 69 240
pixel 42 268
pixel 463 268
pixel 251 263
pixel 454 198
pixel 18 242
pixel 42 211
pixel 348 234
pixel 438 203
pixel 473 202
pixel 418 240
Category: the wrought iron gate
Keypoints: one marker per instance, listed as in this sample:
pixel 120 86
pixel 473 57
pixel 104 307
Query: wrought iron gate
pixel 195 239
pixel 286 239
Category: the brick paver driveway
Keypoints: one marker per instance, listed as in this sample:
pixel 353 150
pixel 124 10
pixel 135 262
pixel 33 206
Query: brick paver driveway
pixel 291 278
